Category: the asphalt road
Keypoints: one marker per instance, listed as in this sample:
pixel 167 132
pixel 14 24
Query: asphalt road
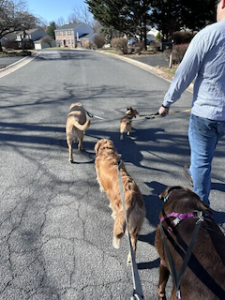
pixel 56 226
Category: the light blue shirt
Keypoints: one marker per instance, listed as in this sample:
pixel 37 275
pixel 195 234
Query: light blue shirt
pixel 204 61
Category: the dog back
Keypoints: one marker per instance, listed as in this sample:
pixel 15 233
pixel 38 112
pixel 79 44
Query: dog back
pixel 205 273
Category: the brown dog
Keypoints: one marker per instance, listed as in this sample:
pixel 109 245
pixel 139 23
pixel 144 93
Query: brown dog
pixel 126 121
pixel 106 164
pixel 76 125
pixel 204 276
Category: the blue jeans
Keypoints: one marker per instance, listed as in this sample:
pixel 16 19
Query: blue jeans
pixel 204 135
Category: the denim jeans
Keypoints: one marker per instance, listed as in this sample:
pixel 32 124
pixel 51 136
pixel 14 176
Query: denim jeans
pixel 204 135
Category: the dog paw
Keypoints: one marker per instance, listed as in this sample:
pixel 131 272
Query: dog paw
pixel 101 189
pixel 121 137
pixel 116 242
pixel 113 215
pixel 129 259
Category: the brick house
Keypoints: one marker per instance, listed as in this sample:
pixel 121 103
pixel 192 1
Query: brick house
pixel 69 35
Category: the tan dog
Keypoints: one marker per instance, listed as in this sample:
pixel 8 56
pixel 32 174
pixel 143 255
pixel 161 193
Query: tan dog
pixel 107 176
pixel 76 125
pixel 126 121
pixel 204 276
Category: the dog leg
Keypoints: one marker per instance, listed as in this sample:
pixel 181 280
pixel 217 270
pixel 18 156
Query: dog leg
pixel 163 278
pixel 128 129
pixel 113 215
pixel 80 145
pixel 69 143
pixel 116 242
pixel 119 229
pixel 134 238
pixel 121 136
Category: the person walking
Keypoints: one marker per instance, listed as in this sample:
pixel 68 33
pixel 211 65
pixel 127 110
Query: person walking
pixel 204 61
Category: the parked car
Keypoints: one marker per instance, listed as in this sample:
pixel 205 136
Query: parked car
pixel 148 41
pixel 132 42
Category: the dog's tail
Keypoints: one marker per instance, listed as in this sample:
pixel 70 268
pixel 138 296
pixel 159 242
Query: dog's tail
pixel 119 229
pixel 82 127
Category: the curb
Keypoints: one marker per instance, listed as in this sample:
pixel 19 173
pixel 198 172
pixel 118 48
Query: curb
pixel 16 65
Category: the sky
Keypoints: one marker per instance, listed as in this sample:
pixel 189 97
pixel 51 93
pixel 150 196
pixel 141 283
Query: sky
pixel 52 10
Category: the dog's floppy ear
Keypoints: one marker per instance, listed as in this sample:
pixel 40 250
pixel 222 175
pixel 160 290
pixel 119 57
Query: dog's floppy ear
pixel 72 105
pixel 163 195
pixel 98 145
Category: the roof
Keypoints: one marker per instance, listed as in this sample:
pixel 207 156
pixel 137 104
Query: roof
pixel 43 39
pixel 89 36
pixel 31 30
pixel 69 26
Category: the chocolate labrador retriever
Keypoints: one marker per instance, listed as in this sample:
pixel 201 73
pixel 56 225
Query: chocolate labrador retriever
pixel 188 226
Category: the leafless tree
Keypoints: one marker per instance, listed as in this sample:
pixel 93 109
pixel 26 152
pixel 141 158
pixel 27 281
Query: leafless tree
pixel 48 40
pixel 81 14
pixel 60 22
pixel 14 17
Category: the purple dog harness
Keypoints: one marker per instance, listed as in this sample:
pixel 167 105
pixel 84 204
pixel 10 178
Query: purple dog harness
pixel 180 217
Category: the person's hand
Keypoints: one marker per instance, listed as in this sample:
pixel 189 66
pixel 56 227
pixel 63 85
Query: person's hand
pixel 164 111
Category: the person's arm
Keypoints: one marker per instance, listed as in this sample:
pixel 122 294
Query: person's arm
pixel 185 73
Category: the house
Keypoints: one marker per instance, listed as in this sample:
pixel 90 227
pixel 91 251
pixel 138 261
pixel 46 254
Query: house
pixel 88 40
pixel 152 34
pixel 69 35
pixel 30 36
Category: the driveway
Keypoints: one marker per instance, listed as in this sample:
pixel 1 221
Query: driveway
pixel 154 60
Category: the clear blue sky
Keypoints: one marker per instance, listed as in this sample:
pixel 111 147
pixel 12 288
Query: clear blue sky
pixel 52 10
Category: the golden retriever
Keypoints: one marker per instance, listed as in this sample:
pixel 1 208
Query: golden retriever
pixel 76 125
pixel 126 121
pixel 106 164
pixel 204 276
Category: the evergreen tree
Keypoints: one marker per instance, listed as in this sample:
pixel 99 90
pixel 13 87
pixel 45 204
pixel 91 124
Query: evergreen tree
pixel 129 17
pixel 199 13
pixel 50 30
pixel 132 17
pixel 167 16
pixel 172 15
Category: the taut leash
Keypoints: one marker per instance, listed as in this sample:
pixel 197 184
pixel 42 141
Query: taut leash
pixel 137 291
pixel 157 115
pixel 141 116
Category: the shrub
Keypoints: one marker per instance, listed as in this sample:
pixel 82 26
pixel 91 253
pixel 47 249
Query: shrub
pixel 178 53
pixel 85 44
pixel 99 41
pixel 182 37
pixel 139 46
pixel 158 37
pixel 120 45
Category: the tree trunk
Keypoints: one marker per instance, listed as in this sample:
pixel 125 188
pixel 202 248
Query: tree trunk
pixel 1 47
